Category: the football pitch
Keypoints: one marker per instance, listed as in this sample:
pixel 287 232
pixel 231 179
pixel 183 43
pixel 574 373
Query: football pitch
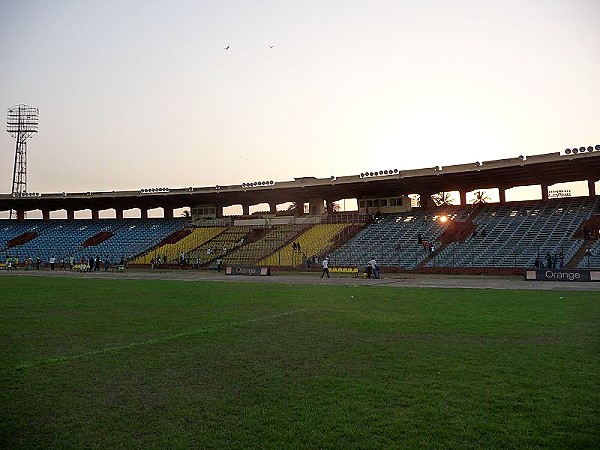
pixel 153 364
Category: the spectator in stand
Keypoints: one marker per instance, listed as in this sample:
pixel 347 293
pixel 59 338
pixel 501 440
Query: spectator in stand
pixel 548 261
pixel 588 254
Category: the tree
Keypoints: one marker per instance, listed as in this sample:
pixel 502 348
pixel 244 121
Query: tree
pixel 336 207
pixel 415 200
pixel 442 198
pixel 480 197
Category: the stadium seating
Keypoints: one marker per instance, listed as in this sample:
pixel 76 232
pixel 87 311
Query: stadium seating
pixel 273 239
pixel 223 243
pixel 64 239
pixel 494 235
pixel 516 234
pixel 170 252
pixel 316 240
pixel 393 239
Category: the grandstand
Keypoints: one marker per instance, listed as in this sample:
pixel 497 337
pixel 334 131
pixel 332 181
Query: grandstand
pixel 124 238
pixel 487 236
pixel 319 239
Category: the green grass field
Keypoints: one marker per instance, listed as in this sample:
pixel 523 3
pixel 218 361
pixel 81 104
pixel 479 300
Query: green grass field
pixel 112 364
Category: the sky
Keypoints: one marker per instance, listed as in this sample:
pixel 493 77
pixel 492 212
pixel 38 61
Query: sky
pixel 139 94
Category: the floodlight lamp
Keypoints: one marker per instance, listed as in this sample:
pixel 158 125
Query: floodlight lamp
pixel 568 151
pixel 590 149
pixel 575 151
pixel 582 149
pixel 597 147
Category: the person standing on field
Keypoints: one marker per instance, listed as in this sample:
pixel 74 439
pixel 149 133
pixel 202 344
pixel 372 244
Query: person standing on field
pixel 325 268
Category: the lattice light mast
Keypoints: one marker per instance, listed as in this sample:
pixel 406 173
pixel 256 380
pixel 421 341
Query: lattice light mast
pixel 22 124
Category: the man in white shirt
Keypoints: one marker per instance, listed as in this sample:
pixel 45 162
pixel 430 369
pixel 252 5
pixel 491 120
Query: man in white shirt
pixel 325 268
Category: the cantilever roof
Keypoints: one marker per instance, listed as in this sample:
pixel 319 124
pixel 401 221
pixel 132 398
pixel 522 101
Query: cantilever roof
pixel 506 173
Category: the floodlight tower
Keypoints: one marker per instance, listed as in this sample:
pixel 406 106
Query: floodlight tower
pixel 22 124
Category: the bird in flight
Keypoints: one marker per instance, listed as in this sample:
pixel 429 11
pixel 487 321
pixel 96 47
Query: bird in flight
pixel 227 48
pixel 271 46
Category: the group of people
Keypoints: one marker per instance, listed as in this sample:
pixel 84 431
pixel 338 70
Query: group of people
pixel 552 261
pixel 427 245
pixel 158 262
pixel 372 269
pixel 309 261
pixel 92 264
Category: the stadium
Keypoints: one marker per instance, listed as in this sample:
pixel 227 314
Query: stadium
pixel 300 225
pixel 404 220
pixel 154 348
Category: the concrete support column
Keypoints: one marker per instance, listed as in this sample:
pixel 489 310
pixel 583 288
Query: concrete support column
pixel 246 209
pixel 463 198
pixel 219 211
pixel 502 194
pixel 272 208
pixel 300 207
pixel 20 215
pixel 119 212
pixel 168 213
pixel 70 214
pixel 544 187
pixel 591 187
pixel 144 213
pixel 45 214
pixel 95 214
pixel 425 200
pixel 316 206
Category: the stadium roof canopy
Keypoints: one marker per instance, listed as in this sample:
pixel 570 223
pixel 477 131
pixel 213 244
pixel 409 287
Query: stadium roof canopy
pixel 547 169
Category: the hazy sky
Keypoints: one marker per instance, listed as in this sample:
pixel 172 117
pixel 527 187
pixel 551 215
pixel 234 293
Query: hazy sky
pixel 136 94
